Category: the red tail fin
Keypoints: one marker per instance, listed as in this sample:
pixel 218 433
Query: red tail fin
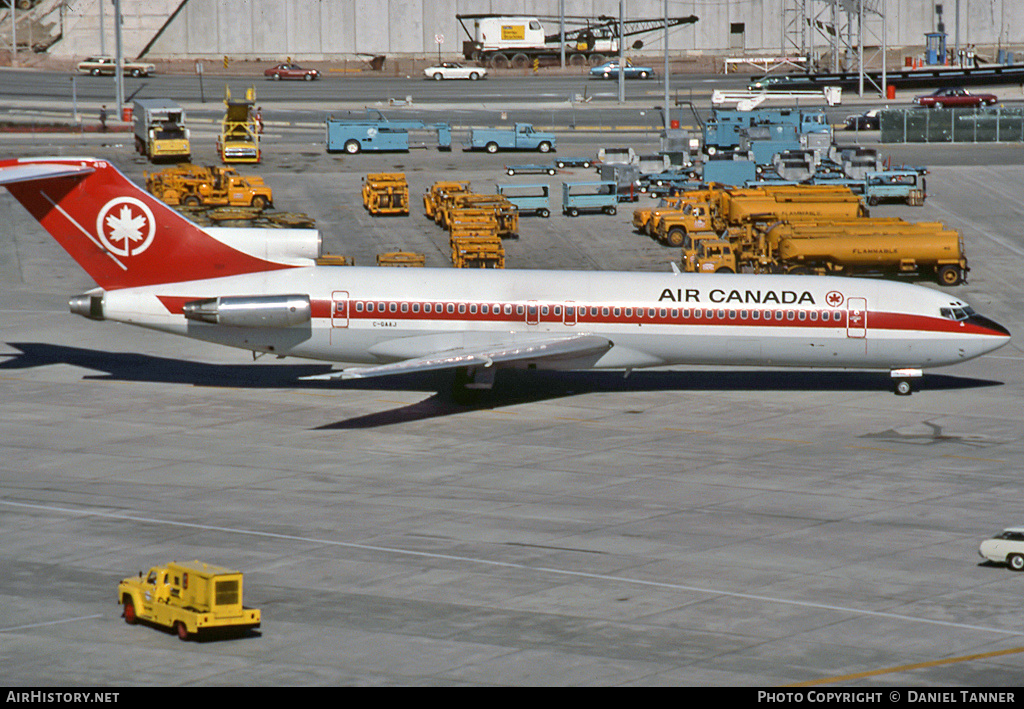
pixel 120 234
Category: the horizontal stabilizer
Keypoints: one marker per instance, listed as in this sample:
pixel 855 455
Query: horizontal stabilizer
pixel 547 352
pixel 28 172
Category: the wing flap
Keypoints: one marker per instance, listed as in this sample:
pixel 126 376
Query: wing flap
pixel 549 352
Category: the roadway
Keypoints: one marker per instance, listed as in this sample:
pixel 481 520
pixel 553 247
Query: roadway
pixel 747 527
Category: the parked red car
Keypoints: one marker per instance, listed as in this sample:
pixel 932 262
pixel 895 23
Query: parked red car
pixel 291 71
pixel 954 98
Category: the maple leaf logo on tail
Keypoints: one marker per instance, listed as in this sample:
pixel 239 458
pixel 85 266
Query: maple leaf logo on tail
pixel 125 226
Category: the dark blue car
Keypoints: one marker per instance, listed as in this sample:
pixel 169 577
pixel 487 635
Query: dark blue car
pixel 610 70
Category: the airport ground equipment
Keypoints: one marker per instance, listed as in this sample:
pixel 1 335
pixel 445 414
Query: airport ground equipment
pixel 890 247
pixel 726 128
pixel 402 259
pixel 716 209
pixel 377 133
pixel 477 252
pixel 520 137
pixel 474 240
pixel 209 186
pixel 386 193
pixel 645 218
pixel 160 131
pixel 907 185
pixel 470 206
pixel 511 170
pixel 239 139
pixel 725 169
pixel 573 162
pixel 528 199
pixel 436 195
pixel 616 156
pixel 579 197
pixel 191 598
pixel 334 260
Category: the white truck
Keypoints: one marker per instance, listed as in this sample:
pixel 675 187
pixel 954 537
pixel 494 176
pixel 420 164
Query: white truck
pixel 160 132
pixel 502 41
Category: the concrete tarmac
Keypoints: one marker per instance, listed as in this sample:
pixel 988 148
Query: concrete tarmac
pixel 701 526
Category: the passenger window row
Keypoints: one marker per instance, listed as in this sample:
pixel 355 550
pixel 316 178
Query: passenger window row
pixel 640 314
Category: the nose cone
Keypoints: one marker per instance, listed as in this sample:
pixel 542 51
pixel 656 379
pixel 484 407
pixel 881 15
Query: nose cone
pixel 987 326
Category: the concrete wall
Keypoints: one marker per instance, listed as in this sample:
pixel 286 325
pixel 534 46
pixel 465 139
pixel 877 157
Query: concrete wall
pixel 328 29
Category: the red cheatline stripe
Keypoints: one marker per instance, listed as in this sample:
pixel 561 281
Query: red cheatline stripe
pixel 767 317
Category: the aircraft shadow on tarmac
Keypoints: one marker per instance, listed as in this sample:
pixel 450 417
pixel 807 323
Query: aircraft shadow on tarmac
pixel 510 387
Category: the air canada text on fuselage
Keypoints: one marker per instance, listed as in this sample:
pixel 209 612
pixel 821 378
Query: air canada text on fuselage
pixel 721 295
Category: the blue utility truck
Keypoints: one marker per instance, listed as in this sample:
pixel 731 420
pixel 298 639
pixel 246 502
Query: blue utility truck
pixel 354 135
pixel 522 137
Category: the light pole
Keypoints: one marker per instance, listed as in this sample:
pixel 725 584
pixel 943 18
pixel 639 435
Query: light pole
pixel 119 60
pixel 622 60
pixel 667 122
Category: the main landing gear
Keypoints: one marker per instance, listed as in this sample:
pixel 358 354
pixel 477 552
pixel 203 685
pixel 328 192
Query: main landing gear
pixel 469 381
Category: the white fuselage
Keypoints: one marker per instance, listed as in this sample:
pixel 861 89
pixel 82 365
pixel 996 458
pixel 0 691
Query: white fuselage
pixel 382 315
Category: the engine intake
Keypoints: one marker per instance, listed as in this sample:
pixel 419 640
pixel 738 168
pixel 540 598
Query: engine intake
pixel 273 311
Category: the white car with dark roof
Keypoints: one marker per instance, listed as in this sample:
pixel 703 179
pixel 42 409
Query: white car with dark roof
pixel 1007 547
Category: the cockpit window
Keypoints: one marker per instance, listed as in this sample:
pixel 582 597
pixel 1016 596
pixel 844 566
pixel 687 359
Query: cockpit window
pixel 957 312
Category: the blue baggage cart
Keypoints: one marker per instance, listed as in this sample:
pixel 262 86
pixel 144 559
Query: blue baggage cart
pixel 529 199
pixel 589 197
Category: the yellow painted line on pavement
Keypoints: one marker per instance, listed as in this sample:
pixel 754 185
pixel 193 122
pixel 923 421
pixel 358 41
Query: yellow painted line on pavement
pixel 907 668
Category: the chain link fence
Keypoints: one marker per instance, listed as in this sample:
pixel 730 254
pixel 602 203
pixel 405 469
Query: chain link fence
pixel 952 125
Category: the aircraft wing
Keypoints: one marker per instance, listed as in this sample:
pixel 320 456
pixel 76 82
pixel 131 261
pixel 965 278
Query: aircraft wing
pixel 40 171
pixel 569 351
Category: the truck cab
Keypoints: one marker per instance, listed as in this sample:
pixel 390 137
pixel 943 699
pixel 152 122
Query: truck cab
pixel 693 217
pixel 713 256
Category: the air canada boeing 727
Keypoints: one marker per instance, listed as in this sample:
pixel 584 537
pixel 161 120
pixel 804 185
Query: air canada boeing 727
pixel 262 290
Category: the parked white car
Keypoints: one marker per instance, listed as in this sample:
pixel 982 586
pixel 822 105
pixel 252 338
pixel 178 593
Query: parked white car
pixel 453 70
pixel 1007 547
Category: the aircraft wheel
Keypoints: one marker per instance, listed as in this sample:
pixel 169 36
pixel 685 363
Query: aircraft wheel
pixel 903 387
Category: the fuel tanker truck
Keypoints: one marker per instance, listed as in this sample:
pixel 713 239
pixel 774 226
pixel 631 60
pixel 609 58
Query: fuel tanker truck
pixel 719 209
pixel 854 247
